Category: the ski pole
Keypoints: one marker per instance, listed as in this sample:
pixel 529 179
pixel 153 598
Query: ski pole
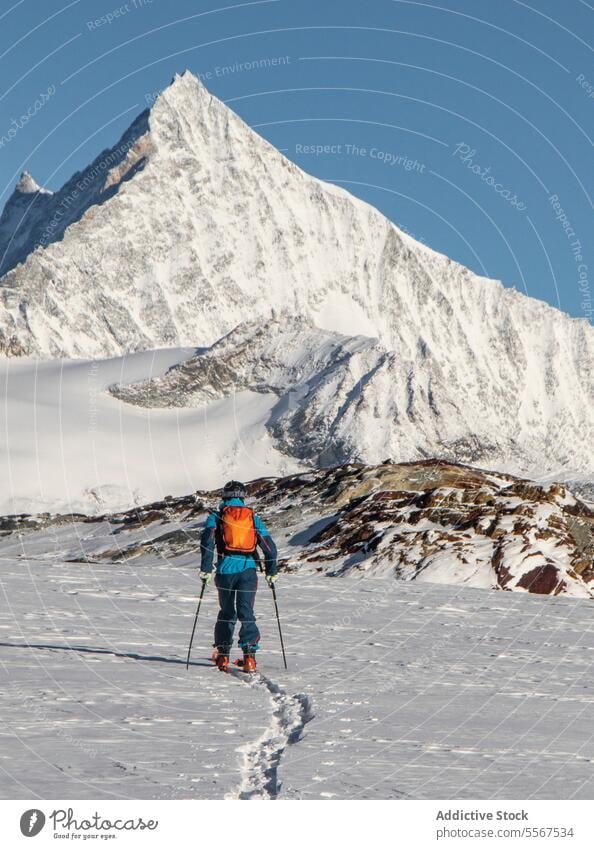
pixel 195 621
pixel 280 633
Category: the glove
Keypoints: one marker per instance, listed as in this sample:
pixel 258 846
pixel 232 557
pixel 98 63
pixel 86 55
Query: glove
pixel 206 577
pixel 271 579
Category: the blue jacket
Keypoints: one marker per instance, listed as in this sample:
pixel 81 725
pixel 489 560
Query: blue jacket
pixel 232 563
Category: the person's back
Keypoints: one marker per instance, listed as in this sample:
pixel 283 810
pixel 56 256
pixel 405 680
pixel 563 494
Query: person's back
pixel 234 533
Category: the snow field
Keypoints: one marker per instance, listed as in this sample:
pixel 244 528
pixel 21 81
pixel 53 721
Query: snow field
pixel 393 690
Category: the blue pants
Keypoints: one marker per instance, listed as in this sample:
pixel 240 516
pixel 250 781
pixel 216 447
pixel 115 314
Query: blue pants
pixel 237 594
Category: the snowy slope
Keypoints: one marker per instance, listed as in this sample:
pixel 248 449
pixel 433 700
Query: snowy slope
pixel 195 223
pixel 317 383
pixel 67 444
pixel 431 692
pixel 338 398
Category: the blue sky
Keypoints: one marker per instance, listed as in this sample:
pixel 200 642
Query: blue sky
pixel 467 122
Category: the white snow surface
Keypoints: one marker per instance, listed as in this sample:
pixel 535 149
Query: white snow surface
pixel 193 223
pixel 393 690
pixel 67 444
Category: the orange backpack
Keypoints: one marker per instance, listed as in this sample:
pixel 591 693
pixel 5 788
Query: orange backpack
pixel 238 531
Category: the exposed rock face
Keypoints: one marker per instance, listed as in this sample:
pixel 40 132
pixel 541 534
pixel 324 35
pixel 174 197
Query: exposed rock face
pixel 444 523
pixel 429 521
pixel 193 223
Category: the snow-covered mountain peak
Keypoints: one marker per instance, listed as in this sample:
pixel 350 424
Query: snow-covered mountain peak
pixel 182 96
pixel 186 85
pixel 28 186
pixel 185 117
pixel 193 224
pixel 194 133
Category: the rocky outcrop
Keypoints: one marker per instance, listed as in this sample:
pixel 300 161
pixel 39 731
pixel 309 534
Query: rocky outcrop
pixel 429 521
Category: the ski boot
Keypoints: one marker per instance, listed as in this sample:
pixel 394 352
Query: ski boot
pixel 249 663
pixel 222 662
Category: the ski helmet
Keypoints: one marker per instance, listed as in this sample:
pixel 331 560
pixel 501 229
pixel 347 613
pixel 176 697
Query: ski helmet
pixel 234 489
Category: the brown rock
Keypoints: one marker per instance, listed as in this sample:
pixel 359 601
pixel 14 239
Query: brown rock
pixel 542 580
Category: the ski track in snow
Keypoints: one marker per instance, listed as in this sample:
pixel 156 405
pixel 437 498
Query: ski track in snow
pixel 261 758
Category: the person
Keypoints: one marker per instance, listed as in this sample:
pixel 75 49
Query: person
pixel 234 532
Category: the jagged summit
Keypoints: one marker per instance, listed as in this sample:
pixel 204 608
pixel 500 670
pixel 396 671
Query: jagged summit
pixel 184 93
pixel 28 186
pixel 193 224
pixel 185 77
